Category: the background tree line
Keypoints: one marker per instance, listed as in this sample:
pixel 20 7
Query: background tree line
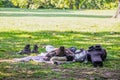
pixel 60 4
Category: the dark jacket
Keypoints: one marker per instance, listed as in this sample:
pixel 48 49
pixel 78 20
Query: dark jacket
pixel 96 54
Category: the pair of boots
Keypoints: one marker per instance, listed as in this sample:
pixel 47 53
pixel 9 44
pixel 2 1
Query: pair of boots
pixel 27 49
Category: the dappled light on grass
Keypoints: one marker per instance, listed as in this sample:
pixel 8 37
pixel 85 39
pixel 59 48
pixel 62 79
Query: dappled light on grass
pixel 25 70
pixel 92 43
pixel 25 35
pixel 34 63
pixel 43 40
pixel 68 28
pixel 19 39
pixel 5 74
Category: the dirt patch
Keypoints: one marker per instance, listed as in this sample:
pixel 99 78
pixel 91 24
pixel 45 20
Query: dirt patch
pixel 85 73
pixel 90 74
pixel 72 73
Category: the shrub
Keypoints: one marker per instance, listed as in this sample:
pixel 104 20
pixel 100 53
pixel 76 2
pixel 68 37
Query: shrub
pixel 61 4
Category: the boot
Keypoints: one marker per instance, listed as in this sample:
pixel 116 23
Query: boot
pixel 35 49
pixel 26 50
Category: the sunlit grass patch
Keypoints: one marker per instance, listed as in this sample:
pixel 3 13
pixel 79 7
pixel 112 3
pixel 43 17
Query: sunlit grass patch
pixel 32 24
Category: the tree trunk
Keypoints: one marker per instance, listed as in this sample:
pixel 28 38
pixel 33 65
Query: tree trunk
pixel 117 14
pixel 71 5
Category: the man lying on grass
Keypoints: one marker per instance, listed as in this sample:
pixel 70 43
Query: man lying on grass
pixel 53 55
pixel 95 54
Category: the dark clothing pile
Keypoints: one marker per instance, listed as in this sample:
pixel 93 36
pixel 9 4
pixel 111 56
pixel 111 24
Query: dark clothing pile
pixel 96 54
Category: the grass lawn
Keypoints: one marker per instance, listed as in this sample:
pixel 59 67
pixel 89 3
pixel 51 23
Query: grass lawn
pixel 80 28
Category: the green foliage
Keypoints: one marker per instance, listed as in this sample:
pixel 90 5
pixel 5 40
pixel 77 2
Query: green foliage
pixel 99 4
pixel 5 3
pixel 20 3
pixel 61 4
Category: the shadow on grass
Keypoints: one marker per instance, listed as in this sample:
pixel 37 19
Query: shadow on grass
pixel 36 10
pixel 37 71
pixel 52 15
pixel 14 41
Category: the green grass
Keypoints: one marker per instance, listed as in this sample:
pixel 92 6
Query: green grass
pixel 80 28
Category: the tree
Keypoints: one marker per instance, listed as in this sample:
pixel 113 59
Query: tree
pixel 62 4
pixel 118 10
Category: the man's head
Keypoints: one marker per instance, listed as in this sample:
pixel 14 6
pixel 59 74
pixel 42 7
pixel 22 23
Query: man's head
pixel 62 48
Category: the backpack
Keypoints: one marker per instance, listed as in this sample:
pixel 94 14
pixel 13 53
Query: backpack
pixel 80 55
